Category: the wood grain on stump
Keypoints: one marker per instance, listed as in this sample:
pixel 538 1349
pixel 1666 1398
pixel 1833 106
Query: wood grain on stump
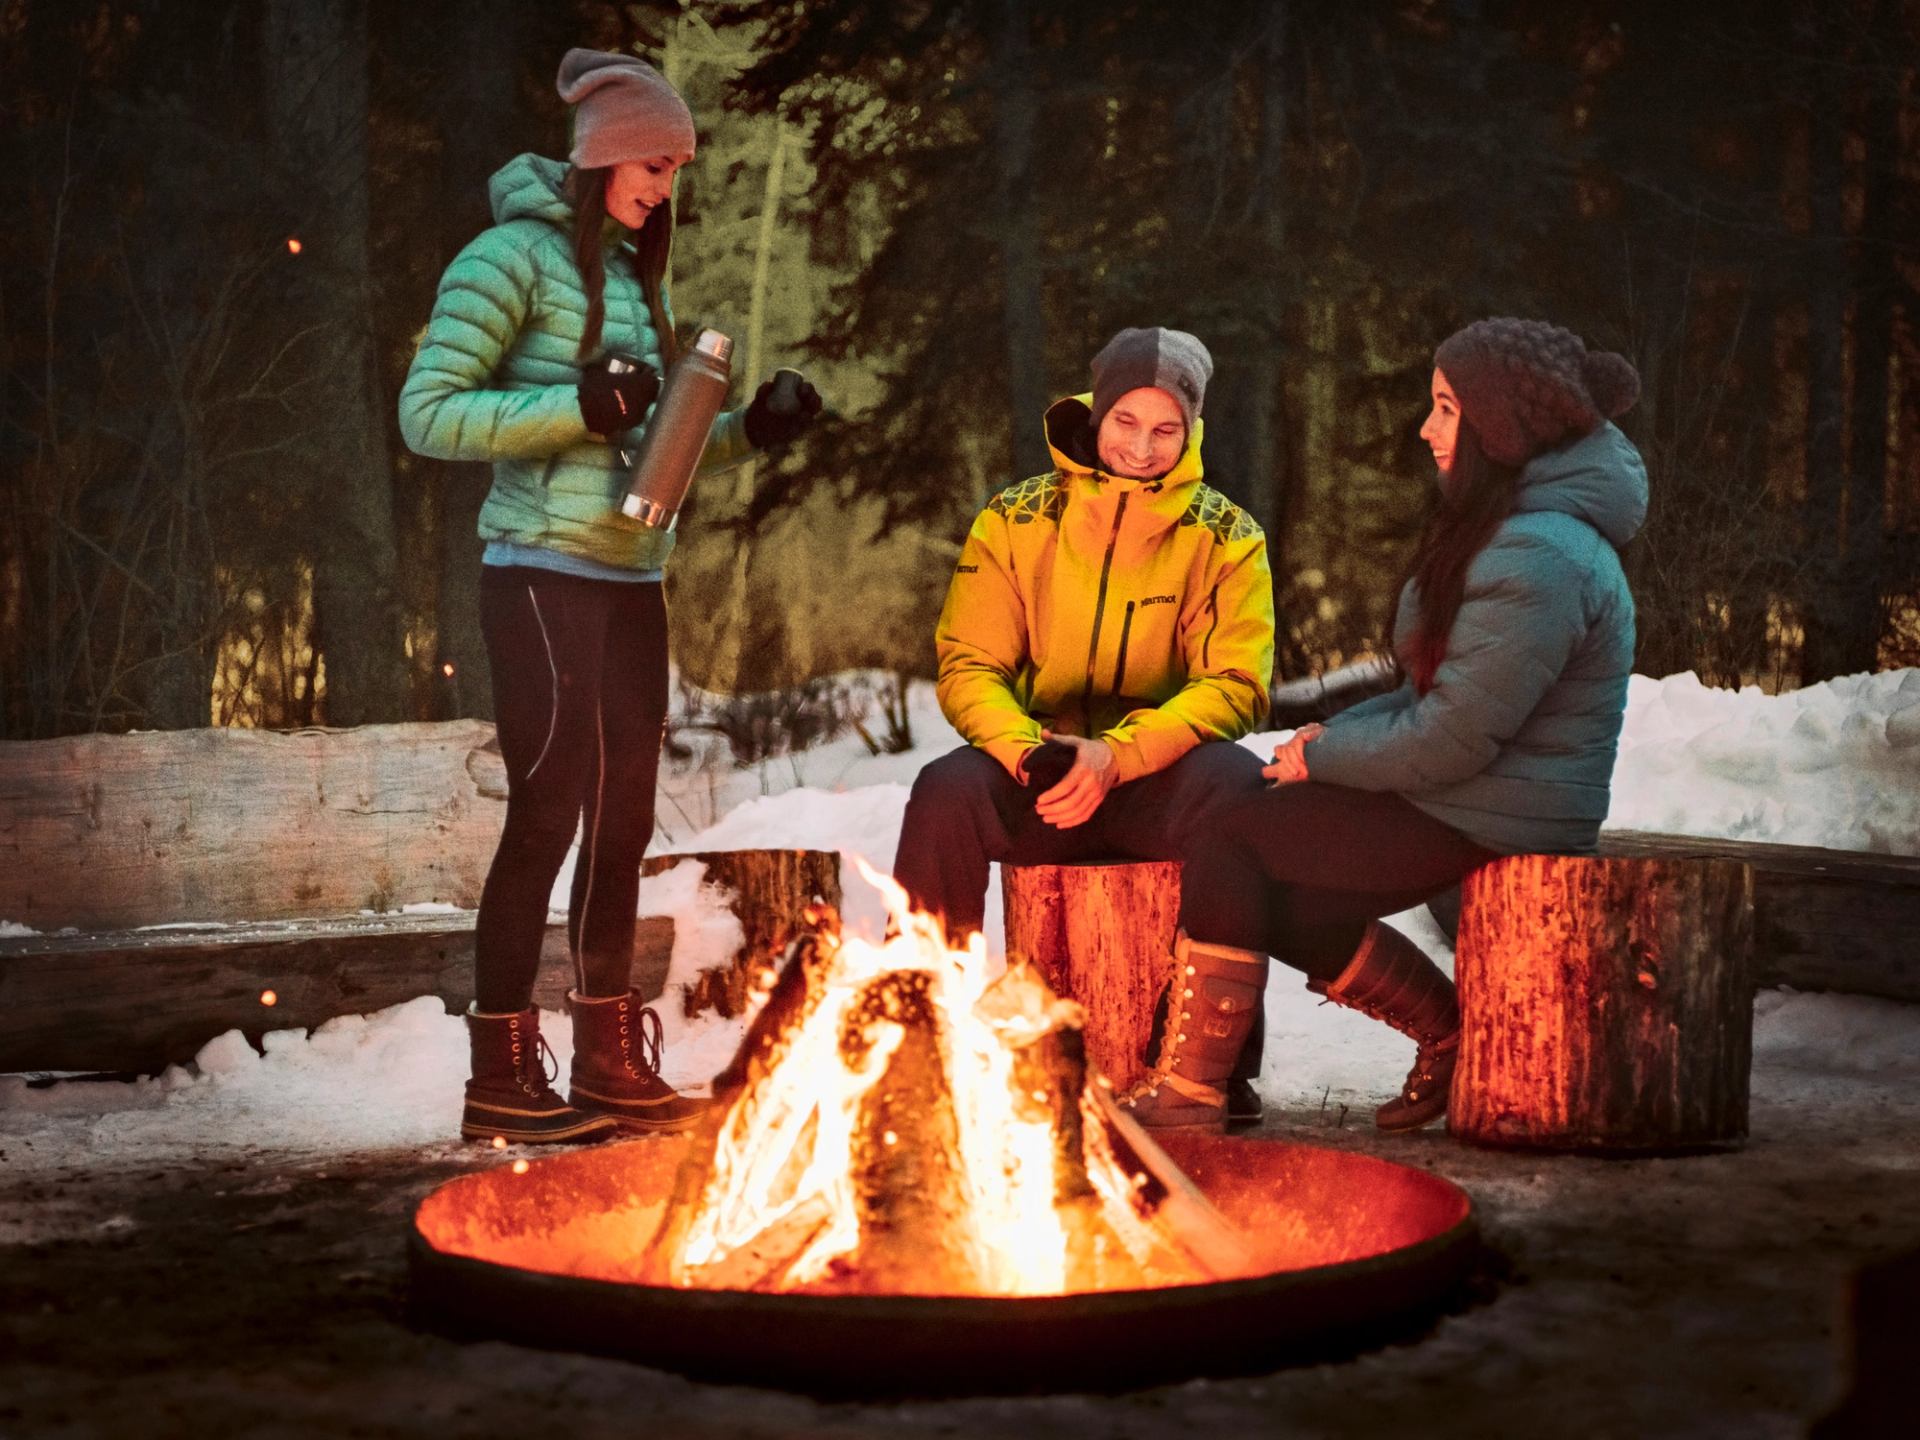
pixel 770 891
pixel 1101 935
pixel 1606 1004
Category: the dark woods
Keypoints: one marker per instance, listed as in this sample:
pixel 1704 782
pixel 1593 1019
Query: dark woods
pixel 942 210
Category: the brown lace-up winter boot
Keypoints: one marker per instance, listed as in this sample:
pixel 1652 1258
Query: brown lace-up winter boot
pixel 1210 1009
pixel 616 1064
pixel 1390 978
pixel 511 1093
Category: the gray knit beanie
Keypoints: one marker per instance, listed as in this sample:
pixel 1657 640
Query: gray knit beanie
pixel 624 109
pixel 1169 360
pixel 1526 386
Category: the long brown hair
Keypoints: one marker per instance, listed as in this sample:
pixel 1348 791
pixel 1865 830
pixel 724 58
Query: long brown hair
pixel 586 191
pixel 1475 496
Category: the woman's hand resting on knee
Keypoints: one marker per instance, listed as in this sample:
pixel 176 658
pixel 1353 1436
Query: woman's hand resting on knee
pixel 1290 760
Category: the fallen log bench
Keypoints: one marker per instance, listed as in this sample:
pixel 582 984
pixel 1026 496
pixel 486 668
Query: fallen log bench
pixel 1606 1004
pixel 175 878
pixel 139 1000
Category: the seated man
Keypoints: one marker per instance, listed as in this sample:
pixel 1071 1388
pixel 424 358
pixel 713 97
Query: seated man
pixel 1107 635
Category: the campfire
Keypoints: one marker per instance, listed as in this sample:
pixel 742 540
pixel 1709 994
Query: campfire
pixel 902 1122
pixel 909 1154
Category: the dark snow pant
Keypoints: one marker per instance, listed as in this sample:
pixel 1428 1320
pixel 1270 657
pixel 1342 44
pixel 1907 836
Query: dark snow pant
pixel 967 812
pixel 580 706
pixel 1298 871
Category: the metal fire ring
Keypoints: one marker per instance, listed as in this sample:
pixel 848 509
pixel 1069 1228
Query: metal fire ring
pixel 1361 1251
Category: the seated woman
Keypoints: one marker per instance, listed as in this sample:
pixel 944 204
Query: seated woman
pixel 1515 637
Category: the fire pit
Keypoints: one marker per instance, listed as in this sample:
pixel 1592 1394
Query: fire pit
pixel 1349 1249
pixel 915 1183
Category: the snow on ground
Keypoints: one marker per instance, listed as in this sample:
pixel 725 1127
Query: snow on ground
pixel 1836 764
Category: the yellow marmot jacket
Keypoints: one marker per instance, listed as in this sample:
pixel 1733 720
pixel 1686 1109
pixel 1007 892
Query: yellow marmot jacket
pixel 1139 612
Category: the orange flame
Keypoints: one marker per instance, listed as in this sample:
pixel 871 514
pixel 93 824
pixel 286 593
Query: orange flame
pixel 785 1156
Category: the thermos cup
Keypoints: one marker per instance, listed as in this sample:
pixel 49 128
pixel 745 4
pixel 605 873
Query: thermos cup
pixel 674 439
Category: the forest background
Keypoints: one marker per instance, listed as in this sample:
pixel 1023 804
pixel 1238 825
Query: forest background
pixel 226 220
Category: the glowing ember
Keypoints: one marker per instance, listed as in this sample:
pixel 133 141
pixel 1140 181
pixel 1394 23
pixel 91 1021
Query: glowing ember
pixel 267 997
pixel 901 1121
pixel 519 1167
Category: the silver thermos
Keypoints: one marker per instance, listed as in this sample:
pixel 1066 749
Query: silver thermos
pixel 671 445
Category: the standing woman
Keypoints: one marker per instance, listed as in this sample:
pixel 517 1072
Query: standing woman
pixel 1514 636
pixel 514 369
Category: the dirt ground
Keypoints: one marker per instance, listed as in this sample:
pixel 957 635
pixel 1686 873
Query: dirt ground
pixel 261 1295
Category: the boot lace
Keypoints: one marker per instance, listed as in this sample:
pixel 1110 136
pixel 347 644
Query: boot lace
pixel 1172 1036
pixel 1426 1065
pixel 540 1080
pixel 651 1040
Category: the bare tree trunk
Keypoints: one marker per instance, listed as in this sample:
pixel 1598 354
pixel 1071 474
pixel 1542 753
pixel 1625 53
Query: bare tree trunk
pixel 1824 507
pixel 1270 476
pixel 479 137
pixel 316 78
pixel 1022 285
pixel 1873 297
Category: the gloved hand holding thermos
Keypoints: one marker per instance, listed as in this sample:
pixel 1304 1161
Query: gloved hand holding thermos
pixel 675 438
pixel 614 393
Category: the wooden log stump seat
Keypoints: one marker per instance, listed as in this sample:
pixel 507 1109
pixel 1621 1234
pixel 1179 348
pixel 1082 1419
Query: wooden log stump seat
pixel 771 890
pixel 1100 934
pixel 1822 919
pixel 1606 1004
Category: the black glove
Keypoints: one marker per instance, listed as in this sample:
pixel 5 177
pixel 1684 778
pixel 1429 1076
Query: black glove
pixel 1047 765
pixel 782 407
pixel 615 393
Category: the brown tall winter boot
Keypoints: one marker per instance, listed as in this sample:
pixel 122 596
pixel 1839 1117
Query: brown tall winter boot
pixel 1210 1009
pixel 511 1093
pixel 616 1064
pixel 1391 979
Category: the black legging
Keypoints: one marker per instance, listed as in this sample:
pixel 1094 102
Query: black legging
pixel 580 704
pixel 1297 871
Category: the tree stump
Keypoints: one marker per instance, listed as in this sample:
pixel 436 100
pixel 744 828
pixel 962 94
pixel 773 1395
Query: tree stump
pixel 1101 935
pixel 771 890
pixel 1606 1005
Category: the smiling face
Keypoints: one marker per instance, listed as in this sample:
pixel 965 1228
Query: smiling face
pixel 636 188
pixel 1142 435
pixel 1442 429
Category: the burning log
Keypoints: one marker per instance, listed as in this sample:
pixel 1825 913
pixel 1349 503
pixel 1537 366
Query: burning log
pixel 1606 1004
pixel 894 1124
pixel 1101 935
pixel 772 891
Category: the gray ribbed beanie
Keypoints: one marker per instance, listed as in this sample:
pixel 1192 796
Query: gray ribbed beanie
pixel 624 109
pixel 1169 360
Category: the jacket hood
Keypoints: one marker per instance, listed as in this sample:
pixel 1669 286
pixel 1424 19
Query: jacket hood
pixel 1070 442
pixel 1599 478
pixel 530 187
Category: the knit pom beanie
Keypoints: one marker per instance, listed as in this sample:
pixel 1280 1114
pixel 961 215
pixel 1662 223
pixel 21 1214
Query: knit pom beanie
pixel 1527 385
pixel 1169 360
pixel 624 109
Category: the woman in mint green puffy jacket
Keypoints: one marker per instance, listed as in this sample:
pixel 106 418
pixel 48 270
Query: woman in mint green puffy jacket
pixel 514 369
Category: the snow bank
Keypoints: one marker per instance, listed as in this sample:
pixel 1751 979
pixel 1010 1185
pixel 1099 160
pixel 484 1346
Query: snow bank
pixel 1835 764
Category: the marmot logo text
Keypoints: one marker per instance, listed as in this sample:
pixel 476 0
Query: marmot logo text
pixel 1158 600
